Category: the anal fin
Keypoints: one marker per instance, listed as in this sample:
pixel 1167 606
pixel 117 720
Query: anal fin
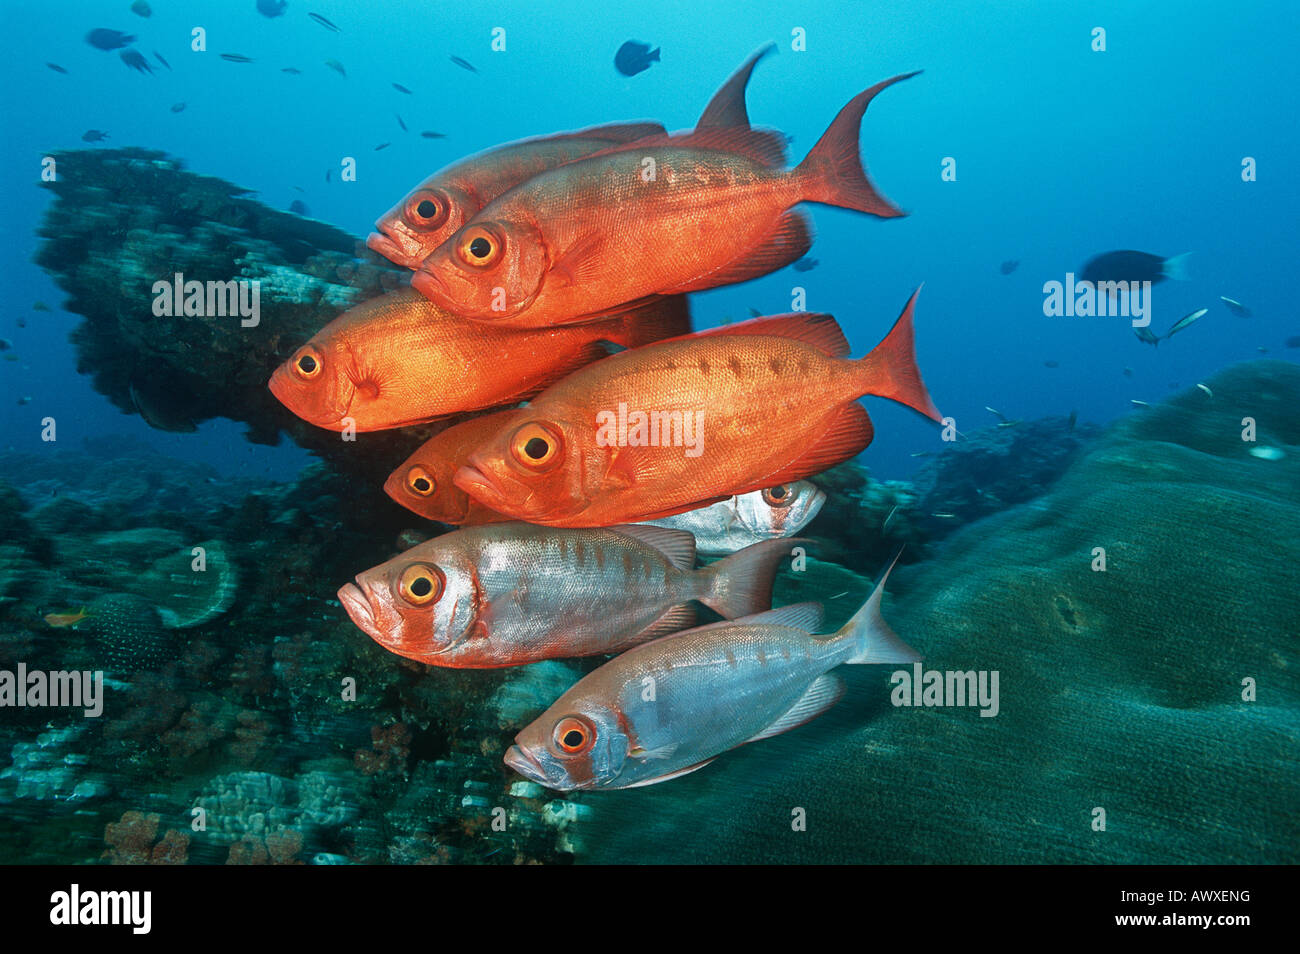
pixel 825 691
pixel 848 435
pixel 789 242
pixel 671 775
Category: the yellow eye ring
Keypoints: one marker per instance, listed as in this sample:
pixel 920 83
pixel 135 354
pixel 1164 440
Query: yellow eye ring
pixel 420 482
pixel 478 247
pixel 535 445
pixel 421 584
pixel 573 735
pixel 782 495
pixel 307 363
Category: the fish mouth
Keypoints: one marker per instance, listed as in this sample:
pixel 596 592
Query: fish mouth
pixel 478 485
pixel 357 605
pixel 431 286
pixel 526 764
pixel 387 247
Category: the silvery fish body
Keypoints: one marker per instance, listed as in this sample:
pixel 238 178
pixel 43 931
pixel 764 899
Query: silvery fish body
pixel 670 706
pixel 513 593
pixel 729 525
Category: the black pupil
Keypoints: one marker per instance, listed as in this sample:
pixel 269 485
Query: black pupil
pixel 536 448
pixel 421 484
pixel 307 363
pixel 778 493
pixel 480 247
pixel 421 586
pixel 573 738
pixel 426 209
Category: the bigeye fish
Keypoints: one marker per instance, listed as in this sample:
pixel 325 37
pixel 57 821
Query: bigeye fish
pixel 399 359
pixel 528 260
pixel 671 706
pixel 684 423
pixel 435 209
pixel 728 525
pixel 423 483
pixel 510 594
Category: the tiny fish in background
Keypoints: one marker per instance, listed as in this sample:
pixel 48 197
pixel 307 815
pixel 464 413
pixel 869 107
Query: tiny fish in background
pixel 1127 265
pixel 5 344
pixel 141 9
pixel 325 23
pixel 400 123
pixel 20 321
pixel 1184 321
pixel 25 399
pixel 57 68
pixel 159 57
pixel 1146 336
pixel 291 70
pixel 272 8
pixel 634 57
pixel 103 39
pixel 430 134
pixel 1293 341
pixel 1009 266
pixel 382 145
pixel 1128 372
pixel 401 89
pixel 40 305
pixel 464 64
pixel 135 60
pixel 337 67
pixel 68 619
pixel 1234 306
pixel 299 207
pixel 1051 364
pixel 178 107
pixel 805 264
pixel 92 135
pixel 236 58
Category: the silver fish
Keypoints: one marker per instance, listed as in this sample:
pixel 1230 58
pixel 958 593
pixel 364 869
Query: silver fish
pixel 729 525
pixel 671 706
pixel 1186 320
pixel 507 594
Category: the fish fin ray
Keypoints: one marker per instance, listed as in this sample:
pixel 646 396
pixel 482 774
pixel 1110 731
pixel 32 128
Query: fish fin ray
pixel 671 775
pixel 678 546
pixel 740 584
pixel 727 107
pixel 789 241
pixel 890 370
pixel 818 330
pixel 674 620
pixel 581 261
pixel 825 691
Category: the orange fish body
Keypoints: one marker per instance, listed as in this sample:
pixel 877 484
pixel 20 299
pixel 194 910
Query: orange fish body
pixel 65 620
pixel 683 423
pixel 661 216
pixel 437 208
pixel 424 484
pixel 399 360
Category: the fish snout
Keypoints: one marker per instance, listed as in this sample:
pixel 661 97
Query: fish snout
pixel 360 606
pixel 388 246
pixel 431 286
pixel 526 764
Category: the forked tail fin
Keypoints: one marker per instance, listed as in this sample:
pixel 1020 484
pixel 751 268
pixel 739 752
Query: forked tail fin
pixel 890 370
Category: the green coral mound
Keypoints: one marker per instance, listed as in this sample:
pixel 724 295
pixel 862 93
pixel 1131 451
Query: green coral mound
pixel 1119 690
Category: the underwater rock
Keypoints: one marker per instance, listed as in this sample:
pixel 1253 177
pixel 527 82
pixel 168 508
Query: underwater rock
pixel 1119 690
pixel 52 768
pixel 864 521
pixel 247 803
pixel 131 841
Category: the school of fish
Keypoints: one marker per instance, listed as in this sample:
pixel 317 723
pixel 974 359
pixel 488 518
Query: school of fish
pixel 588 446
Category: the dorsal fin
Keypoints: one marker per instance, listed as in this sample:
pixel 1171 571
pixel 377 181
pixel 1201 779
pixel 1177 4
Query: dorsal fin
pixel 819 330
pixel 805 616
pixel 762 146
pixel 612 133
pixel 727 108
pixel 678 546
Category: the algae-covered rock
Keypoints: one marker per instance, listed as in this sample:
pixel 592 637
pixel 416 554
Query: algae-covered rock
pixel 1124 691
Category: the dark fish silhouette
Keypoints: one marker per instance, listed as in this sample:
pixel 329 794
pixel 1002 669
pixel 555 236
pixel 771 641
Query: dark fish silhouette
pixel 236 58
pixel 272 8
pixel 1009 266
pixel 141 9
pixel 299 207
pixel 1293 341
pixel 430 134
pixel 93 135
pixel 805 264
pixel 463 64
pixel 400 123
pixel 1234 306
pixel 1051 364
pixel 56 67
pixel 401 89
pixel 1127 265
pixel 136 61
pixel 20 321
pixel 634 57
pixel 323 22
pixel 1146 336
pixel 291 69
pixel 337 67
pixel 382 145
pixel 327 174
pixel 178 107
pixel 159 57
pixel 102 39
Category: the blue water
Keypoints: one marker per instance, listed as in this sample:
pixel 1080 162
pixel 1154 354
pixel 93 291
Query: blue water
pixel 1061 152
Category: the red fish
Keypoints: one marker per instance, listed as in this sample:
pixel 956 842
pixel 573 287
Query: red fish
pixel 682 423
pixel 661 216
pixel 399 359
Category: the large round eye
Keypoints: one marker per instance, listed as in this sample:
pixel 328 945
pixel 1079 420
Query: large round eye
pixel 420 482
pixel 307 363
pixel 421 584
pixel 535 445
pixel 478 247
pixel 574 735
pixel 782 495
pixel 426 210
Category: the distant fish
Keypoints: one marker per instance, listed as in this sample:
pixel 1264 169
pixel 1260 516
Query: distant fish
pixel 178 107
pixel 291 70
pixel 1128 372
pixel 1206 389
pixel 299 189
pixel 66 620
pixel 299 207
pixel 1236 307
pixel 1051 364
pixel 1127 265
pixel 141 9
pixel 236 58
pixel 430 134
pixel 1293 341
pixel 135 60
pixel 103 39
pixel 159 57
pixel 634 57
pixel 1184 321
pixel 25 399
pixel 272 8
pixel 92 135
pixel 400 123
pixel 337 67
pixel 20 321
pixel 1145 335
pixel 40 305
pixel 323 22
pixel 402 89
pixel 1009 266
pixel 5 344
pixel 464 64
pixel 382 145
pixel 1136 403
pixel 805 264
pixel 57 68
pixel 327 174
